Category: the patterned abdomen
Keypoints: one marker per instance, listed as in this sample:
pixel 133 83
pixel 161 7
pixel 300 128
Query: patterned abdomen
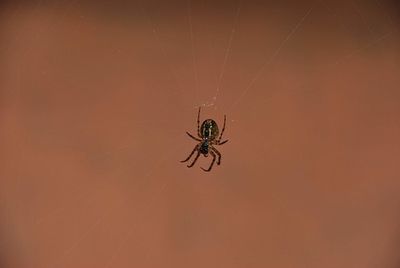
pixel 209 129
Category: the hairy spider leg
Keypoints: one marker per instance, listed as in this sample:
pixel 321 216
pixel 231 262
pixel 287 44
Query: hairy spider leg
pixel 198 123
pixel 218 153
pixel 193 137
pixel 195 159
pixel 220 143
pixel 223 129
pixel 196 148
pixel 212 163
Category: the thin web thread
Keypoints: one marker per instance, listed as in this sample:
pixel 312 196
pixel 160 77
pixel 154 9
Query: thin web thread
pixel 193 51
pixel 344 58
pixel 271 59
pixel 162 48
pixel 226 56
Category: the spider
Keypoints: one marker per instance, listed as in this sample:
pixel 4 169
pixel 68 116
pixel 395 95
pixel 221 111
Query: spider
pixel 208 137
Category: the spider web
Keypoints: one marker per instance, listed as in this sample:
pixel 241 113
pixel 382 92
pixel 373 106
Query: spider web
pixel 95 182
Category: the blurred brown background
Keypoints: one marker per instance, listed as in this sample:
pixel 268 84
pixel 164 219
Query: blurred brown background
pixel 95 99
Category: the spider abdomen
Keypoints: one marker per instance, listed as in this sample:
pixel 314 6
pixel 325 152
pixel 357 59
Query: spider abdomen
pixel 209 129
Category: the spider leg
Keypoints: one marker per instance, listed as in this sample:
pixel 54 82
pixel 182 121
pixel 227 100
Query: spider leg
pixel 193 137
pixel 219 155
pixel 223 129
pixel 195 159
pixel 196 148
pixel 198 123
pixel 222 142
pixel 212 163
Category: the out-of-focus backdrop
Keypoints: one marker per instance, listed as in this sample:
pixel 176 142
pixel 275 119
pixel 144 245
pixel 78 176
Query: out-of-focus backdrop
pixel 95 99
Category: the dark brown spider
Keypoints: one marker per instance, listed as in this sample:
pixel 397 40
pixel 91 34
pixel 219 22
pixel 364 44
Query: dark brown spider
pixel 208 136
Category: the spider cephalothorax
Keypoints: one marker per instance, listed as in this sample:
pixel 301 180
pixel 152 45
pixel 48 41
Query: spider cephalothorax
pixel 208 136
